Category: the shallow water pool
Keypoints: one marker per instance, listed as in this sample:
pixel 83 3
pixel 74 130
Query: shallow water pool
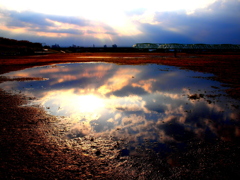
pixel 146 106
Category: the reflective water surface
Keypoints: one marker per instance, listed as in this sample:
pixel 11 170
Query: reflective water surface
pixel 148 106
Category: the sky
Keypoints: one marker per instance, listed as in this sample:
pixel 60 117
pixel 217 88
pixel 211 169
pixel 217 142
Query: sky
pixel 125 23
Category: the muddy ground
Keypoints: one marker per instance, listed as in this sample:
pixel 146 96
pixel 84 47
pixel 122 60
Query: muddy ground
pixel 33 147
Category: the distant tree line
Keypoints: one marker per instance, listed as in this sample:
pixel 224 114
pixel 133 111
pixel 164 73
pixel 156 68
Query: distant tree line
pixel 15 47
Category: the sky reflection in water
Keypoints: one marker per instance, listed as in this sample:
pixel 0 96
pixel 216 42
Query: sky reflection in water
pixel 135 103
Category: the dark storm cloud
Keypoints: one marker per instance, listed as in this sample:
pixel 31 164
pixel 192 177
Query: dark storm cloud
pixel 34 22
pixel 23 19
pixel 158 34
pixel 29 19
pixel 219 23
pixel 68 31
pixel 70 20
pixel 91 32
pixel 37 22
pixel 177 131
pixel 128 90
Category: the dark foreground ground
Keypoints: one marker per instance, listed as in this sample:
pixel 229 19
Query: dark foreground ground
pixel 33 147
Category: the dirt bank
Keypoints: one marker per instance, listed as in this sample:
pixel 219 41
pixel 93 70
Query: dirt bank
pixel 32 148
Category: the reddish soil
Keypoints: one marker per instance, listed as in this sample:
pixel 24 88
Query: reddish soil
pixel 225 66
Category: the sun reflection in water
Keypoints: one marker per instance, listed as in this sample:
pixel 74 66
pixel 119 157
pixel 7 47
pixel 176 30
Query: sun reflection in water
pixel 87 103
pixel 136 103
pixel 68 103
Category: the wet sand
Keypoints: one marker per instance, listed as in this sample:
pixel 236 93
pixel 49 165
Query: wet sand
pixel 32 147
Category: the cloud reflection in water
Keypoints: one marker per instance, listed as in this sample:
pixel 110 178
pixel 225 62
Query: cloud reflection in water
pixel 138 103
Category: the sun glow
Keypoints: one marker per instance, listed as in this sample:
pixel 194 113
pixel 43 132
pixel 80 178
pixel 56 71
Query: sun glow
pixel 88 103
pixel 68 103
pixel 107 11
pixel 104 20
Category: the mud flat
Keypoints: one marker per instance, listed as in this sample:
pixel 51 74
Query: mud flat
pixel 33 147
pixel 225 66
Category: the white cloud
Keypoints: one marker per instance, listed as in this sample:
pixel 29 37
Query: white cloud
pixel 123 23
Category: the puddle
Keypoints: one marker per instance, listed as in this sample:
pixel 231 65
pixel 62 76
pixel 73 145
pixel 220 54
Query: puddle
pixel 141 106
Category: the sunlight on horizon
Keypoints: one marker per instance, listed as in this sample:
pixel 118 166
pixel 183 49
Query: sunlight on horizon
pixel 125 23
pixel 104 20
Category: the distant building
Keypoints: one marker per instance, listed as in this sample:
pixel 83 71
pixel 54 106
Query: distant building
pixel 174 46
pixel 146 45
pixel 105 46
